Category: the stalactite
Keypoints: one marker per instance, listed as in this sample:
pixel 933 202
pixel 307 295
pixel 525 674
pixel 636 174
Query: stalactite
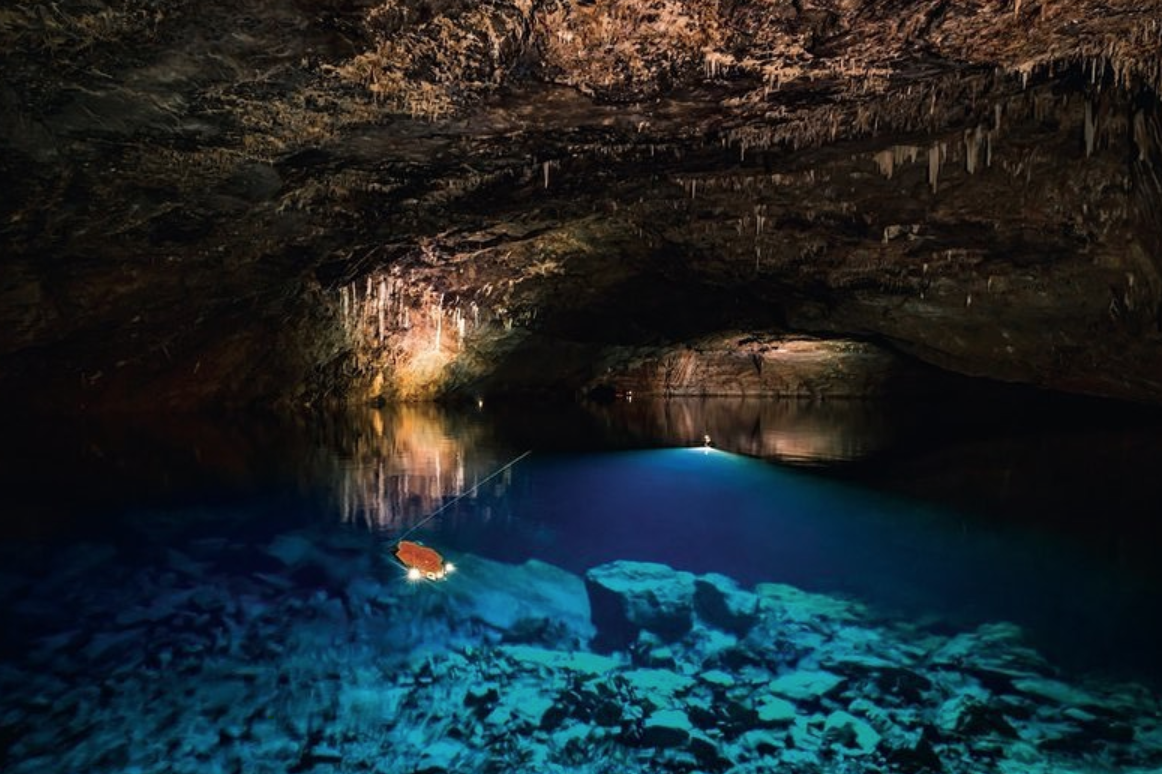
pixel 438 313
pixel 934 166
pixel 972 143
pixel 356 311
pixel 382 306
pixel 1141 136
pixel 890 159
pixel 1090 128
pixel 885 161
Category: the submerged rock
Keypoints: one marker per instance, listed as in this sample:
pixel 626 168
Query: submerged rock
pixel 717 677
pixel 628 597
pixel 291 550
pixel 532 602
pixel 1056 691
pixel 968 715
pixel 236 667
pixel 805 684
pixel 920 758
pixel 789 603
pixel 707 752
pixel 904 685
pixel 572 661
pixel 666 728
pixel 998 648
pixel 720 602
pixel 855 734
pixel 441 757
pixel 762 742
pixel 774 711
pixel 658 686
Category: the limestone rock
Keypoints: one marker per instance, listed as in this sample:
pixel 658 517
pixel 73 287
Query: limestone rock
pixel 1056 691
pixel 666 728
pixel 658 686
pixel 550 604
pixel 717 678
pixel 628 597
pixel 775 711
pixel 707 752
pixel 762 742
pixel 440 757
pixel 854 733
pixel 581 662
pixel 793 604
pixel 920 758
pixel 805 684
pixel 269 195
pixel 720 602
pixel 972 716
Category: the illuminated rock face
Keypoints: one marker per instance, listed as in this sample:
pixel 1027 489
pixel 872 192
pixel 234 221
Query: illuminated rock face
pixel 298 202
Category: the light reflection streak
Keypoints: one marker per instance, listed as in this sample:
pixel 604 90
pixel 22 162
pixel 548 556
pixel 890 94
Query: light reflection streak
pixel 401 463
pixel 794 431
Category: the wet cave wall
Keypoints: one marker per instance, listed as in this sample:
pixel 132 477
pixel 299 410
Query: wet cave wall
pixel 275 202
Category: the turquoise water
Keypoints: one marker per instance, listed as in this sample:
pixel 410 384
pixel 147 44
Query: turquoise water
pixel 881 593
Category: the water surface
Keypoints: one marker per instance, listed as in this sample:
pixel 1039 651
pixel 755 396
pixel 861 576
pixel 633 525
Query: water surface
pixel 940 518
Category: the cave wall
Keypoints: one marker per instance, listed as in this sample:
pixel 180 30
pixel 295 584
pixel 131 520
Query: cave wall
pixel 286 202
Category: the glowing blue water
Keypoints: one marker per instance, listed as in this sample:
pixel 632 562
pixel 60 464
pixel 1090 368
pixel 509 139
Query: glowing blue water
pixel 251 620
pixel 713 511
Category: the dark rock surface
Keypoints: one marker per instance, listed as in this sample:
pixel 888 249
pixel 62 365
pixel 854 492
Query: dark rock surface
pixel 291 201
pixel 171 663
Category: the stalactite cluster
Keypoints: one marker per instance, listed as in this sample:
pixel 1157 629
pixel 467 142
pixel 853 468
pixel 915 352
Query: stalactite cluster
pixel 293 202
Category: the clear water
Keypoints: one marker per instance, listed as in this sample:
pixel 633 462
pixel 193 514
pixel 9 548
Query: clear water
pixel 218 595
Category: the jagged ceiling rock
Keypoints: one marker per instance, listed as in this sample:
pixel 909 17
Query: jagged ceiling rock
pixel 288 201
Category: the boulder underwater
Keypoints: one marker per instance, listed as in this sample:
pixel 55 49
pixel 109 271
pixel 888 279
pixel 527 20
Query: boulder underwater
pixel 628 597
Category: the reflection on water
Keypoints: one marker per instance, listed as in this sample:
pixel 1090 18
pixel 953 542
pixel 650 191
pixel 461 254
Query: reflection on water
pixel 384 468
pixel 399 464
pixel 792 431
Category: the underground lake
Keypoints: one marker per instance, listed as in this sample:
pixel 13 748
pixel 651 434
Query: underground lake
pixel 683 585
pixel 581 387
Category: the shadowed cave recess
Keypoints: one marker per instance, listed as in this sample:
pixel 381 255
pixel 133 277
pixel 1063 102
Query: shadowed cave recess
pixel 276 202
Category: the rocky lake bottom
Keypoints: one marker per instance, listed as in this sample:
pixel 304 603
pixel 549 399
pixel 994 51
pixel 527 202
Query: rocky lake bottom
pixel 310 652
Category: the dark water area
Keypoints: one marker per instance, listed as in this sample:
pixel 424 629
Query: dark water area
pixel 1039 513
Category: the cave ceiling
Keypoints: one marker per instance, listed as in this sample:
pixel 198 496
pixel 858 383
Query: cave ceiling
pixel 266 200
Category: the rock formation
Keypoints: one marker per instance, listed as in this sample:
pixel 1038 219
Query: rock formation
pixel 183 662
pixel 303 200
